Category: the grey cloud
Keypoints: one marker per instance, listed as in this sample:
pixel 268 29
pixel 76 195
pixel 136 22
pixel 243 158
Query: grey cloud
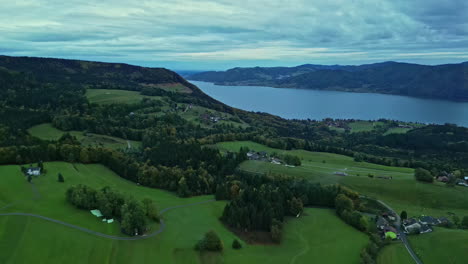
pixel 245 32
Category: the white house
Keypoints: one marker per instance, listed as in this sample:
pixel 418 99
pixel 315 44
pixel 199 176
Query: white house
pixel 33 171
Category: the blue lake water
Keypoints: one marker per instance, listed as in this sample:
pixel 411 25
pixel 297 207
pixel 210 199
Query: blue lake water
pixel 314 104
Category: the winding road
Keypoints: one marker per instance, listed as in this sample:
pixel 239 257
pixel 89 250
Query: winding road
pixel 162 225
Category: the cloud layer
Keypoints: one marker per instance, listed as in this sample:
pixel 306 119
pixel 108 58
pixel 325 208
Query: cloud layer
pixel 223 33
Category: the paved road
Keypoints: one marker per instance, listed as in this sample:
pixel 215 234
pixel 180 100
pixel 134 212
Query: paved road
pixel 162 225
pixel 402 234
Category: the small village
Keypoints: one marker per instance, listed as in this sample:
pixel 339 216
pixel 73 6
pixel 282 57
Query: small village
pixel 387 223
pixel 263 156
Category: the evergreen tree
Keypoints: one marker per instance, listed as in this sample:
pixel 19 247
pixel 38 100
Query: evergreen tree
pixel 60 177
pixel 403 215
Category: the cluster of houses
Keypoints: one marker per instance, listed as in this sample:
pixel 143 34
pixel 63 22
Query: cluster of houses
pixel 263 156
pixel 423 225
pixel 385 224
pixel 448 177
pixel 338 124
pixel 208 117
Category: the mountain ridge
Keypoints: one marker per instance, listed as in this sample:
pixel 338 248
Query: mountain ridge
pixel 446 81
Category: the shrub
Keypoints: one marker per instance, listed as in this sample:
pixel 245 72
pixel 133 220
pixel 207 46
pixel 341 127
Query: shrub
pixel 210 242
pixel 236 244
pixel 60 178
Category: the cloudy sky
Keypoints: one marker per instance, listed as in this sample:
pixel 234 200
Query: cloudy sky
pixel 220 34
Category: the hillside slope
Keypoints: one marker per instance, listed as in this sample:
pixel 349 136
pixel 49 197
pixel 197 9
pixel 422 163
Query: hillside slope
pixel 448 82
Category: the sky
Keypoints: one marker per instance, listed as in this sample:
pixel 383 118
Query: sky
pixel 221 34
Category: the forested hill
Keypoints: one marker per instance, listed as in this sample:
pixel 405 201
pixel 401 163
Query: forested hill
pixel 94 74
pixel 448 82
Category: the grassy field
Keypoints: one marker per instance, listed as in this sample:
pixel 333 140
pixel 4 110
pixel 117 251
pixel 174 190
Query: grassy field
pixel 361 126
pixel 109 96
pixel 27 239
pixel 48 132
pixel 394 254
pixel 442 246
pixel 402 192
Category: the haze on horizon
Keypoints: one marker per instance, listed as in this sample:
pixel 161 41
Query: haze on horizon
pixel 202 35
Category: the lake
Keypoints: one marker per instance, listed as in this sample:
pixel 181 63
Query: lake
pixel 315 104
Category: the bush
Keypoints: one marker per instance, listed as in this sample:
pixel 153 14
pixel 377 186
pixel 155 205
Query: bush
pixel 464 222
pixel 236 244
pixel 60 178
pixel 423 175
pixel 210 242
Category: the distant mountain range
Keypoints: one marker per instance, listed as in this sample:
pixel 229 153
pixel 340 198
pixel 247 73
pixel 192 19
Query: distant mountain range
pixel 448 82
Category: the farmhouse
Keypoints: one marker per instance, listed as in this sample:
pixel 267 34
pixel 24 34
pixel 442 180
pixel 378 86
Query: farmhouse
pixel 385 177
pixel 443 179
pixel 425 229
pixel 413 228
pixel 340 173
pixel 381 223
pixel 33 171
pixel 252 155
pixel 428 220
pixel 275 161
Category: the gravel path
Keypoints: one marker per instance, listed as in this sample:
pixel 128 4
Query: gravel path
pixel 162 225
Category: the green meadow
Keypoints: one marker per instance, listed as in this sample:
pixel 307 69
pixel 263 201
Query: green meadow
pixel 402 192
pixel 441 246
pixel 395 253
pixel 361 126
pixel 27 239
pixel 109 96
pixel 48 132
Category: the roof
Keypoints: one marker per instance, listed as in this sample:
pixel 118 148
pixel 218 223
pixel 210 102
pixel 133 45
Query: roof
pixel 381 221
pixel 425 229
pixel 415 225
pixel 428 220
pixel 410 221
pixel 34 168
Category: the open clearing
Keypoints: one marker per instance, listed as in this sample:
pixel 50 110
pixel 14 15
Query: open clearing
pixel 27 239
pixel 109 96
pixel 48 132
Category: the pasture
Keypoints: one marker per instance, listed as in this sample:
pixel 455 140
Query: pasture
pixel 27 239
pixel 48 132
pixel 442 246
pixel 401 192
pixel 109 96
